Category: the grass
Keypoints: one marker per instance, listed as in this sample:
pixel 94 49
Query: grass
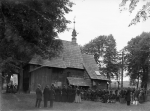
pixel 22 102
pixel 17 102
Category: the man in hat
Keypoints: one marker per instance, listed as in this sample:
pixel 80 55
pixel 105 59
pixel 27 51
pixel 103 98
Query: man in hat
pixel 52 95
pixel 38 96
pixel 46 95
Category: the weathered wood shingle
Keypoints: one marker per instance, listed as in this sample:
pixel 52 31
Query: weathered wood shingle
pixel 91 66
pixel 70 57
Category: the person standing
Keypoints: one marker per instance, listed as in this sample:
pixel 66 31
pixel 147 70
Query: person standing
pixel 136 96
pixel 69 94
pixel 15 88
pixel 128 96
pixel 64 94
pixel 38 96
pixel 72 95
pixel 52 96
pixel 78 95
pixel 46 95
pixel 8 90
pixel 59 94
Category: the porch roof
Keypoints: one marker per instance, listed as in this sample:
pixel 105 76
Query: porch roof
pixel 79 81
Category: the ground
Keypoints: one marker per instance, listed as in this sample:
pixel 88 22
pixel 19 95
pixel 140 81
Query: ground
pixel 22 102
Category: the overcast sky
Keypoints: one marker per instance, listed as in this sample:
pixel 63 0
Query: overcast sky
pixel 102 17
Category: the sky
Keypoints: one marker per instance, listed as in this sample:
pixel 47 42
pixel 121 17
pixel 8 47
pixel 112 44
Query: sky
pixel 102 17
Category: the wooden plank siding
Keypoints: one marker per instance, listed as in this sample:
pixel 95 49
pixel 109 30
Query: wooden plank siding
pixel 48 76
pixel 41 76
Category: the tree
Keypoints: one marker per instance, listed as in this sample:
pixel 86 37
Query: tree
pixel 28 28
pixel 104 50
pixel 138 57
pixel 143 13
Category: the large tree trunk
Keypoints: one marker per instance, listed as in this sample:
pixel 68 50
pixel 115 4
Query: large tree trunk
pixel 118 84
pixel 145 78
pixel 108 77
pixel 148 82
pixel 2 23
pixel 21 79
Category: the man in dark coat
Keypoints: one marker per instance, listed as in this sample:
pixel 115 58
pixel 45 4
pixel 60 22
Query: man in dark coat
pixel 59 95
pixel 64 94
pixel 73 93
pixel 52 95
pixel 128 96
pixel 38 96
pixel 46 95
pixel 69 94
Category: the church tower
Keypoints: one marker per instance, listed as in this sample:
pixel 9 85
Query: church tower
pixel 74 34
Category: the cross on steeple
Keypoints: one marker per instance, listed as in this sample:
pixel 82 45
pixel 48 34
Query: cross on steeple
pixel 74 22
pixel 74 33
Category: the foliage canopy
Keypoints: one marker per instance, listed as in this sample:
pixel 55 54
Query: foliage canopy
pixel 29 27
pixel 104 50
pixel 138 57
pixel 143 13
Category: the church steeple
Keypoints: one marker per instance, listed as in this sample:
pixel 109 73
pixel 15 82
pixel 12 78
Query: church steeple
pixel 74 34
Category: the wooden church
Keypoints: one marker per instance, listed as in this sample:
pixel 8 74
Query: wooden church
pixel 70 68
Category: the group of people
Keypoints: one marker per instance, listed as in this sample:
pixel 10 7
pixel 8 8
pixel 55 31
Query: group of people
pixel 48 95
pixel 68 94
pixel 76 94
pixel 64 94
pixel 11 88
pixel 102 95
pixel 130 95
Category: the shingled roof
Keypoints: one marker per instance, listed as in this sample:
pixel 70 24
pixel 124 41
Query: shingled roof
pixel 71 57
pixel 92 68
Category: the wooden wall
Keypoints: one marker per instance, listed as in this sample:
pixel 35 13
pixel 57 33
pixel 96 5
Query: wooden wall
pixel 41 76
pixel 48 76
pixel 70 72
